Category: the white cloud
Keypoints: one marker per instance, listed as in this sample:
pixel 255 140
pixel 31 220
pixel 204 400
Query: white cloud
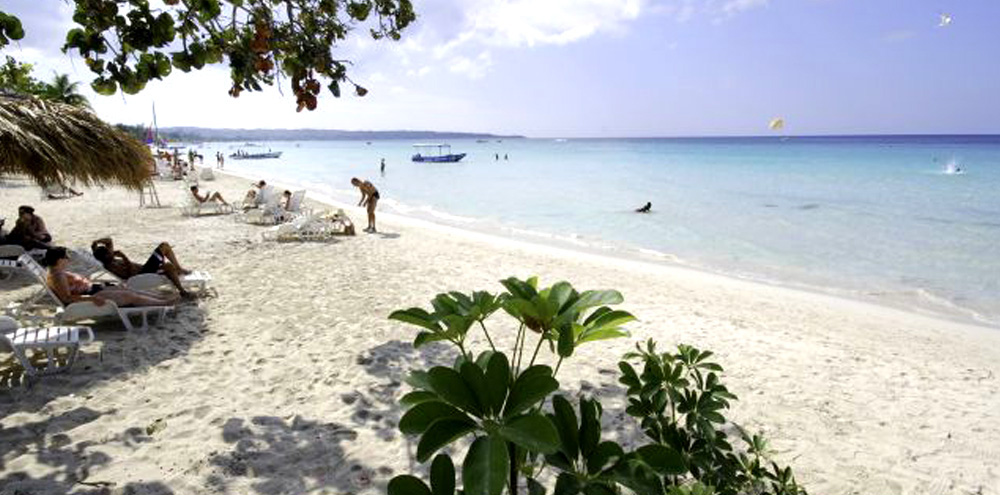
pixel 534 22
pixel 474 68
pixel 733 7
pixel 716 10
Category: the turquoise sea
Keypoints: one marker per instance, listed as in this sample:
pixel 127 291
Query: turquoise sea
pixel 879 218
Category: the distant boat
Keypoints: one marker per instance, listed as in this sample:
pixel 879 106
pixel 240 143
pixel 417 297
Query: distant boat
pixel 441 157
pixel 482 141
pixel 243 155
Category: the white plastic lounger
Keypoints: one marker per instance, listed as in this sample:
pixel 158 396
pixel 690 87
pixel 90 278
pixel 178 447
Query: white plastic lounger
pixel 48 339
pixel 87 310
pixel 312 228
pixel 144 281
pixel 194 209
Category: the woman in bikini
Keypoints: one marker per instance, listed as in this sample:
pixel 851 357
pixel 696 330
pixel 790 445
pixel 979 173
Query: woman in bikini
pixel 162 261
pixel 369 198
pixel 70 287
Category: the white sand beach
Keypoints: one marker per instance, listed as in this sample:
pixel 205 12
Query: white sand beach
pixel 287 381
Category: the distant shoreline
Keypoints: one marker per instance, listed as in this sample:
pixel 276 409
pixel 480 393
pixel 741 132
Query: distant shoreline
pixel 227 134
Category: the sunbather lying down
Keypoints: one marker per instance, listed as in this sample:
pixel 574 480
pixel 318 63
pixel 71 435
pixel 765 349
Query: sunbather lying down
pixel 207 197
pixel 70 287
pixel 162 261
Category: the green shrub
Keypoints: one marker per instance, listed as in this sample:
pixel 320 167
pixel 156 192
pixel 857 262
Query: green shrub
pixel 498 402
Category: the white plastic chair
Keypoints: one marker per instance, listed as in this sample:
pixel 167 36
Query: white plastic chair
pixel 87 310
pixel 48 339
pixel 194 208
pixel 92 268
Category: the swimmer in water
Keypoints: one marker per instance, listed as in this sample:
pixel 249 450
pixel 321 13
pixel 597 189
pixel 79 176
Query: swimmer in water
pixel 645 208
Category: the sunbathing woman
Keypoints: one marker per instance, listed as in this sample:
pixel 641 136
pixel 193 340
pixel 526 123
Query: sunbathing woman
pixel 162 261
pixel 207 197
pixel 70 287
pixel 369 199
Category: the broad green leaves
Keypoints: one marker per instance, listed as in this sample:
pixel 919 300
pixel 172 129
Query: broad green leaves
pixel 484 471
pixel 454 313
pixel 496 405
pixel 128 43
pixel 563 316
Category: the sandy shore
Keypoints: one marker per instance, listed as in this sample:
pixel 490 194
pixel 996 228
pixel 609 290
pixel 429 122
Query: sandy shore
pixel 287 381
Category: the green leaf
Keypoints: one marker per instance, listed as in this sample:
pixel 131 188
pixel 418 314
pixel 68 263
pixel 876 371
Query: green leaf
pixel 561 295
pixel 662 459
pixel 534 384
pixel 603 456
pixel 567 484
pixel 418 317
pixel 484 471
pixel 428 337
pixel 566 341
pixel 449 384
pixel 407 485
pixel 533 432
pixel 474 377
pixel 535 488
pixel 598 489
pixel 565 420
pixel 601 334
pixel 591 298
pixel 441 433
pixel 421 416
pixel 416 397
pixel 498 380
pixel 610 319
pixel 519 288
pixel 442 475
pixel 590 425
pixel 419 379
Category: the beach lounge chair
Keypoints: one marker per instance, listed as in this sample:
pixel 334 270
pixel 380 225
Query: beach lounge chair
pixel 312 228
pixel 87 310
pixel 266 210
pixel 9 253
pixel 94 269
pixel 49 340
pixel 194 209
pixel 295 208
pixel 273 213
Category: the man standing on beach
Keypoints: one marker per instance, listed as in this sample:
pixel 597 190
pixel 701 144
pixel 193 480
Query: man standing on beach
pixel 369 198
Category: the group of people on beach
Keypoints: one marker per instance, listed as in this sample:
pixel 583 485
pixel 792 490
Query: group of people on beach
pixel 31 234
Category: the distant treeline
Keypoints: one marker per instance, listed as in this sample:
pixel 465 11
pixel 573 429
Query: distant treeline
pixel 204 134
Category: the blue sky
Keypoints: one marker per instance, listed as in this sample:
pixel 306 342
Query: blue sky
pixel 615 68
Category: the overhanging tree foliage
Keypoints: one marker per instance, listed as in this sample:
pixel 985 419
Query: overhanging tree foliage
pixel 127 43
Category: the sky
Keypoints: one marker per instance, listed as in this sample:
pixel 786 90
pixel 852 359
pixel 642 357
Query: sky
pixel 610 68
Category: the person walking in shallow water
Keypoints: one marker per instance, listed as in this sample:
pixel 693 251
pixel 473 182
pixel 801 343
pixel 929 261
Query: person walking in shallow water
pixel 382 167
pixel 369 199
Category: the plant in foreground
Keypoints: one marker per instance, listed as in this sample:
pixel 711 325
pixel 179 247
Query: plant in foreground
pixel 521 435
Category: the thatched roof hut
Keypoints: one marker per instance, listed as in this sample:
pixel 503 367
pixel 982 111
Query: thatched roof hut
pixel 53 142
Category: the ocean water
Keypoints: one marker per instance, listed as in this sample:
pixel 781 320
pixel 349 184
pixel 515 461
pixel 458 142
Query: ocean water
pixel 911 222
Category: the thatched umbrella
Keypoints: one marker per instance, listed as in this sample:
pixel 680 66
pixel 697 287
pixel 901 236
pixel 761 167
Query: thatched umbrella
pixel 52 142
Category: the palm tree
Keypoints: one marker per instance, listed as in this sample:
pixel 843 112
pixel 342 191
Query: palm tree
pixel 64 91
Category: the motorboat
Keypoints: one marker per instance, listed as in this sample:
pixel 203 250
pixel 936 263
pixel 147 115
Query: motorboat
pixel 425 153
pixel 246 155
